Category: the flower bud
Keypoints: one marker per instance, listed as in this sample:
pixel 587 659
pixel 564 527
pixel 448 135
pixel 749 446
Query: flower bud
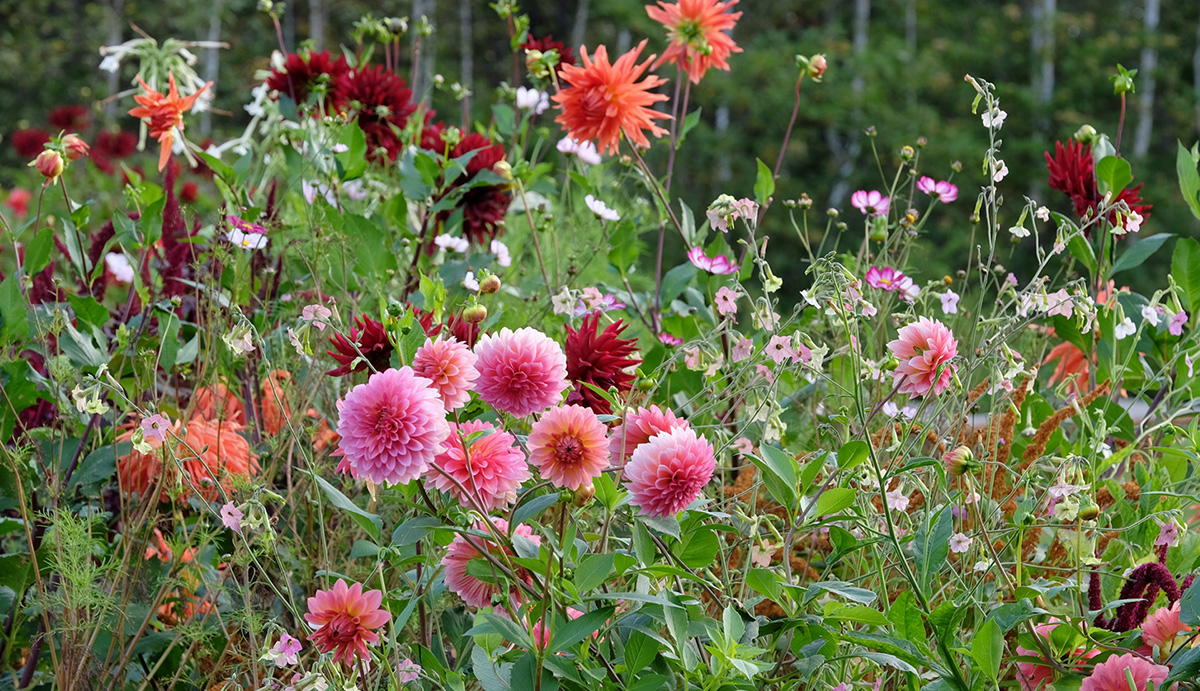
pixel 75 147
pixel 534 62
pixel 583 495
pixel 49 164
pixel 1085 134
pixel 503 169
pixel 489 284
pixel 907 153
pixel 816 67
pixel 879 228
pixel 1089 511
pixel 473 314
pixel 960 461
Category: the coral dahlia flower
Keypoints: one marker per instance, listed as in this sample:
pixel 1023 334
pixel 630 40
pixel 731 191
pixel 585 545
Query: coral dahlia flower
pixel 600 358
pixel 569 446
pixel 604 100
pixel 274 402
pixel 1037 677
pixel 460 553
pixel 303 75
pixel 381 100
pixel 370 339
pixel 491 472
pixel 696 29
pixel 392 427
pixel 638 427
pixel 520 372
pixel 211 456
pixel 218 404
pixel 667 473
pixel 923 347
pixel 450 365
pixel 345 619
pixel 1113 674
pixel 1162 628
pixel 164 114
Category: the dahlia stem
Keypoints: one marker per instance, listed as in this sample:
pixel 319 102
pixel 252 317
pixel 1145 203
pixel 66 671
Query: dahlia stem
pixel 675 123
pixel 787 135
pixel 1121 124
pixel 537 246
pixel 82 268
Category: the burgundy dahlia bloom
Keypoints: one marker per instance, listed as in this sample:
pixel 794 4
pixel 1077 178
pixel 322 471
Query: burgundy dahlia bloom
pixel 381 100
pixel 303 76
pixel 484 206
pixel 29 143
pixel 1073 173
pixel 68 118
pixel 371 339
pixel 601 358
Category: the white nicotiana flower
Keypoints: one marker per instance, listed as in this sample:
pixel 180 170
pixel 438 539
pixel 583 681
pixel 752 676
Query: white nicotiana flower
pixel 601 209
pixel 1132 223
pixel 503 258
pixel 247 241
pixel 1001 171
pixel 469 281
pixel 585 150
pixel 532 99
pixel 119 266
pixel 1019 231
pixel 450 242
pixel 563 302
pixel 239 340
pixel 1042 214
pixel 257 107
pixel 1125 329
pixel 994 118
pixel 1150 314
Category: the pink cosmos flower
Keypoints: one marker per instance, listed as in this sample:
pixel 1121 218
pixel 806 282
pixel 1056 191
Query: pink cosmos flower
pixel 667 473
pixel 669 340
pixel 569 446
pixel 886 278
pixel 520 372
pixel 1161 628
pixel 450 365
pixel 726 301
pixel 870 203
pixel 1177 321
pixel 720 264
pixel 345 619
pixel 392 426
pixel 156 426
pixel 1113 673
pixel 491 472
pixel 231 517
pixel 924 347
pixel 942 191
pixel 474 591
pixel 638 427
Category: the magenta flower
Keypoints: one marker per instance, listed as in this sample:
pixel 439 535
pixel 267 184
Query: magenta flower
pixel 285 652
pixel 156 426
pixel 870 203
pixel 726 301
pixel 1114 673
pixel 1177 321
pixel 924 349
pixel 669 340
pixel 887 278
pixel 231 517
pixel 720 264
pixel 520 372
pixel 942 191
pixel 667 473
pixel 345 619
pixel 246 226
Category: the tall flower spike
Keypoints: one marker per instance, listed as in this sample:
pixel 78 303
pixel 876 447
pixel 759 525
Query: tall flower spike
pixel 165 114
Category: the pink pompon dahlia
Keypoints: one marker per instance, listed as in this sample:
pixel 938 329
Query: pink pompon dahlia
pixel 392 426
pixel 1162 628
pixel 520 372
pixel 491 472
pixel 569 446
pixel 450 365
pixel 667 473
pixel 924 347
pixel 638 427
pixel 345 619
pixel 474 591
pixel 697 30
pixel 1113 674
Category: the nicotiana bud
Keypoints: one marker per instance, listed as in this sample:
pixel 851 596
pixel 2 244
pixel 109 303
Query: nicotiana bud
pixel 49 164
pixel 960 461
pixel 75 147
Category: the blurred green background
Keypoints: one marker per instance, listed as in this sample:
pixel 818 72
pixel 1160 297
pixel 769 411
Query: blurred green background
pixel 897 65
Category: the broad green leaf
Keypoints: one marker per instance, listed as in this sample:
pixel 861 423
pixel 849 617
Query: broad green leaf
pixel 12 309
pixel 368 521
pixel 764 183
pixel 578 629
pixel 905 616
pixel 593 570
pixel 779 474
pixel 857 613
pixel 766 582
pixel 852 454
pixel 412 530
pixel 699 548
pixel 889 660
pixel 640 651
pixel 1185 269
pixel 1189 606
pixel 835 499
pixel 218 166
pixel 1139 252
pixel 503 626
pixel 1113 175
pixel 676 280
pixel 1185 668
pixel 932 544
pixel 1189 179
pixel 37 254
pixel 988 649
pixel 844 589
pixel 353 162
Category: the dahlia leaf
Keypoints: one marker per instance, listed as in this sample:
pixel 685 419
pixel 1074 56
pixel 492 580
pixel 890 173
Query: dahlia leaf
pixel 593 570
pixel 1139 252
pixel 932 545
pixel 1185 269
pixel 852 454
pixel 1113 175
pixel 764 184
pixel 412 530
pixel 352 162
pixel 834 500
pixel 1189 178
pixel 1185 668
pixel 533 507
pixel 700 549
pixel 779 474
pixel 368 521
pixel 1189 606
pixel 576 630
pixel 37 253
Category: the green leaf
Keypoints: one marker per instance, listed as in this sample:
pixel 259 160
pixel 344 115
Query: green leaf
pixel 533 507
pixel 1113 175
pixel 764 184
pixel 218 166
pixel 368 521
pixel 766 582
pixel 905 616
pixel 889 660
pixel 1189 606
pixel 593 570
pixel 12 309
pixel 857 613
pixel 371 243
pixel 988 649
pixel 578 629
pixel 1185 269
pixel 81 348
pixel 1139 252
pixel 689 121
pixel 643 545
pixel 37 254
pixel 676 280
pixel 779 470
pixel 364 548
pixel 896 647
pixel 353 161
pixel 412 530
pixel 1186 667
pixel 852 454
pixel 640 651
pixel 1189 178
pixel 932 544
pixel 699 548
pixel 844 589
pixel 835 499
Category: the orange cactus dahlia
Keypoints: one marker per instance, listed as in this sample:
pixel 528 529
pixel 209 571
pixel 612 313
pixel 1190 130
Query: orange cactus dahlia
pixel 605 99
pixel 696 29
pixel 165 114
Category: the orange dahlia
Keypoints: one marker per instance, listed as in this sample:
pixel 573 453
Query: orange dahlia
pixel 696 29
pixel 220 454
pixel 275 409
pixel 165 114
pixel 605 99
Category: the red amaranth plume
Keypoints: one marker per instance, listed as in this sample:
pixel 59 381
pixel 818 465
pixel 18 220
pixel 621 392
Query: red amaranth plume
pixel 381 100
pixel 371 339
pixel 1142 586
pixel 178 254
pixel 600 358
pixel 302 76
pixel 1072 172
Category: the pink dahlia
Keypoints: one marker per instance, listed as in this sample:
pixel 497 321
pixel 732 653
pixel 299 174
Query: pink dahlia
pixel 520 372
pixel 667 473
pixel 1036 677
pixel 923 348
pixel 450 365
pixel 569 446
pixel 392 426
pixel 345 619
pixel 541 637
pixel 474 591
pixel 491 472
pixel 1161 628
pixel 638 427
pixel 1111 675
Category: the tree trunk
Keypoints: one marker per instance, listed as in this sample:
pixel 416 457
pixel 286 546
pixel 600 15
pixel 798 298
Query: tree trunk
pixel 910 40
pixel 212 62
pixel 318 17
pixel 467 57
pixel 1196 76
pixel 846 148
pixel 581 19
pixel 862 23
pixel 114 78
pixel 1043 17
pixel 1145 84
pixel 423 51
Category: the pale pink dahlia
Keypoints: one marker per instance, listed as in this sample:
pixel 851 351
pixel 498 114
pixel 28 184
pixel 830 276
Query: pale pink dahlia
pixel 637 428
pixel 1110 675
pixel 345 619
pixel 520 372
pixel 473 591
pixel 491 472
pixel 923 347
pixel 667 473
pixel 450 365
pixel 392 426
pixel 569 446
pixel 1161 628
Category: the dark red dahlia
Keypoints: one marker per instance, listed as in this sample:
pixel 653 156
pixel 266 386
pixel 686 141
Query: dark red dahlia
pixel 483 206
pixel 317 73
pixel 1073 173
pixel 29 143
pixel 116 144
pixel 431 137
pixel 189 193
pixel 547 44
pixel 371 339
pixel 599 358
pixel 460 329
pixel 68 118
pixel 381 101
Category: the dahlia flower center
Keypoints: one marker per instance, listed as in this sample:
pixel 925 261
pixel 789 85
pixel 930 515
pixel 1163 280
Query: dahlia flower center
pixel 343 629
pixel 569 449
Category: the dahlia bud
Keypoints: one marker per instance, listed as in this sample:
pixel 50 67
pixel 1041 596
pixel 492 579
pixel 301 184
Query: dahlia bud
pixel 75 147
pixel 49 164
pixel 489 284
pixel 1089 511
pixel 473 314
pixel 960 461
pixel 816 67
pixel 583 495
pixel 805 202
pixel 1085 134
pixel 907 153
pixel 922 142
pixel 503 169
pixel 535 63
pixel 956 166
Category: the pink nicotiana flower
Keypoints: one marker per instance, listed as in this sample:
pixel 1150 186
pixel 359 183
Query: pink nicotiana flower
pixel 156 426
pixel 1177 321
pixel 950 302
pixel 925 349
pixel 450 366
pixel 720 264
pixel 897 500
pixel 780 348
pixel 742 349
pixel 666 474
pixel 345 619
pixel 942 191
pixel 490 469
pixel 317 314
pixel 407 671
pixel 726 301
pixel 1060 303
pixel 960 543
pixel 1167 534
pixel 231 517
pixel 285 652
pixel 871 203
pixel 569 446
pixel 520 372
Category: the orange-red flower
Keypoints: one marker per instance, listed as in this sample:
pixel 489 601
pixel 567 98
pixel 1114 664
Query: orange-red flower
pixel 605 99
pixel 696 29
pixel 275 408
pixel 165 113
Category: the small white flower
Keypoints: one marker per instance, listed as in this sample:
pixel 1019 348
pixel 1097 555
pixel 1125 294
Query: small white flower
pixel 1132 223
pixel 563 302
pixel 119 266
pixel 111 63
pixel 311 188
pixel 532 99
pixel 1019 231
pixel 469 281
pixel 449 242
pixel 503 258
pixel 960 543
pixel 601 209
pixel 247 241
pixel 994 118
pixel 1150 314
pixel 585 150
pixel 239 340
pixel 908 412
pixel 1001 171
pixel 339 148
pixel 1125 329
pixel 981 566
pixel 890 409
pixel 897 500
pixel 1043 214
